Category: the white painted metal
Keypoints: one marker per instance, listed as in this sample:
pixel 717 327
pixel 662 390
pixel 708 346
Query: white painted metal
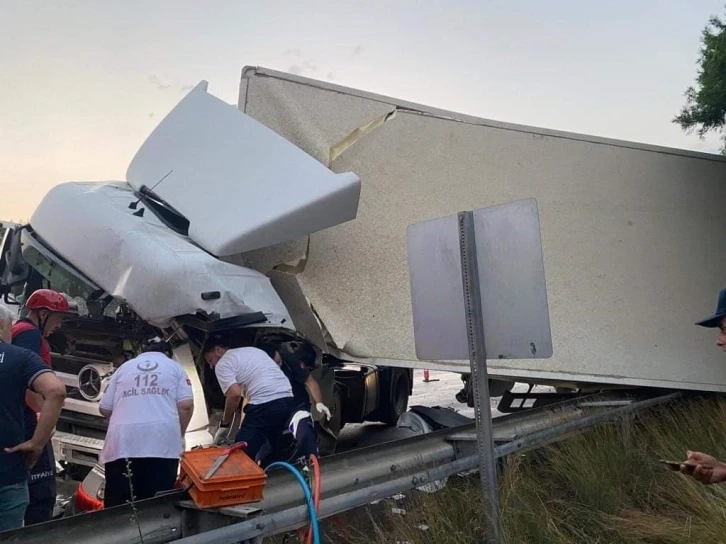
pixel 159 273
pixel 511 279
pixel 240 184
pixel 631 232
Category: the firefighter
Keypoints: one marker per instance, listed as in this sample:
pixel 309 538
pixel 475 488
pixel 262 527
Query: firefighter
pixel 46 310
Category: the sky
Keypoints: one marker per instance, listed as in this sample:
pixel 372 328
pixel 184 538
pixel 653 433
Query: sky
pixel 85 82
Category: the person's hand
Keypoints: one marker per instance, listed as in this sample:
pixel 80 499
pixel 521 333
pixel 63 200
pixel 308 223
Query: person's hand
pixel 708 469
pixel 222 435
pixel 30 451
pixel 320 407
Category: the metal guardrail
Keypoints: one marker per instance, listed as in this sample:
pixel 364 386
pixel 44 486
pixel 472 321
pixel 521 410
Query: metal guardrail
pixel 351 479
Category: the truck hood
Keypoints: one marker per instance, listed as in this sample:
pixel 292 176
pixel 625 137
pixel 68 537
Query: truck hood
pixel 240 185
pixel 120 244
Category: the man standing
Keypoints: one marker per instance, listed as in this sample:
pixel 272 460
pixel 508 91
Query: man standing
pixel 251 373
pixel 708 469
pixel 150 403
pixel 20 370
pixel 297 366
pixel 46 309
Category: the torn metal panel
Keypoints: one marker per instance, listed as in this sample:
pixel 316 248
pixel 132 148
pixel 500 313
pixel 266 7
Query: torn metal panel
pixel 357 134
pixel 306 323
pixel 290 256
pixel 288 114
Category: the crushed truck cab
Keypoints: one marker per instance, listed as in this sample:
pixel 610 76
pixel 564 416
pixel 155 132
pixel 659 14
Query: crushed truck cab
pixel 158 255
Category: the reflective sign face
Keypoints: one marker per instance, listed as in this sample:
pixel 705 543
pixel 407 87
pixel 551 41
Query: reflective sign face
pixel 511 279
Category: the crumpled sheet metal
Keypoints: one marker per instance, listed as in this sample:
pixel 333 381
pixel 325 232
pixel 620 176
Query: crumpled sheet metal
pixel 159 273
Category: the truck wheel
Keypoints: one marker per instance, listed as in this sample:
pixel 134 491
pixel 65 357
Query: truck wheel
pixel 398 401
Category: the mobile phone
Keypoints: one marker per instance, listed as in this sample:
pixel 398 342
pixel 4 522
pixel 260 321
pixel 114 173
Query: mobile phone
pixel 676 465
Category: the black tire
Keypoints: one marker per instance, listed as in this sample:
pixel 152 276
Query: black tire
pixel 397 402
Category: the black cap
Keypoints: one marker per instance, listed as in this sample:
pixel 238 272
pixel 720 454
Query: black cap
pixel 715 320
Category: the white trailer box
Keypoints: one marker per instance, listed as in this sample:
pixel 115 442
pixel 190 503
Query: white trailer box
pixel 632 233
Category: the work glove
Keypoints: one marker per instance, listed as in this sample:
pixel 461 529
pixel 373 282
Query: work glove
pixel 320 407
pixel 222 435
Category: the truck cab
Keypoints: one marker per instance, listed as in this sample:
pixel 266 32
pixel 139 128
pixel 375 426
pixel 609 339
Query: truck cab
pixel 134 268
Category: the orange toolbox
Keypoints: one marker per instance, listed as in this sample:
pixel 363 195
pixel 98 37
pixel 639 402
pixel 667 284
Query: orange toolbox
pixel 238 480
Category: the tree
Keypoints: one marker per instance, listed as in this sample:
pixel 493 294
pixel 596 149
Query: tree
pixel 705 108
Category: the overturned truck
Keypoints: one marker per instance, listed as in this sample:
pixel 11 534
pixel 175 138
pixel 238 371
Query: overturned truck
pixel 286 217
pixel 630 233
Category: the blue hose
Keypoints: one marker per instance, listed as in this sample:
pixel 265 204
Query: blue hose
pixel 306 492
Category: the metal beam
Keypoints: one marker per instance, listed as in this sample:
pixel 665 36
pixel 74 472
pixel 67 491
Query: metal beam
pixel 350 479
pixel 297 516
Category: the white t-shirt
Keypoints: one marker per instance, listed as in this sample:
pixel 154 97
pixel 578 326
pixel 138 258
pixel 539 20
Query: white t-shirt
pixel 143 395
pixel 252 369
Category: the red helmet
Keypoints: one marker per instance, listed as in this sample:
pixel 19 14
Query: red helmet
pixel 47 299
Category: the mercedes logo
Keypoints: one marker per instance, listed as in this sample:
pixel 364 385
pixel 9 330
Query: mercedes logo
pixel 89 383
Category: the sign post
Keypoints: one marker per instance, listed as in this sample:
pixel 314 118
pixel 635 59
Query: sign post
pixel 478 292
pixel 479 375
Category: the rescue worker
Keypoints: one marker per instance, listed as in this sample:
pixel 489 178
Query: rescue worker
pixel 22 370
pixel 297 366
pixel 149 403
pixel 251 373
pixel 708 469
pixel 46 310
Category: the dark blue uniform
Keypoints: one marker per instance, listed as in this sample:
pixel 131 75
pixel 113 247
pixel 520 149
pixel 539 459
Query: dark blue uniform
pixel 18 369
pixel 297 373
pixel 42 483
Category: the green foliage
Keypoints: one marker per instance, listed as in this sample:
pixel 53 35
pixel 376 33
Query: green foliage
pixel 705 108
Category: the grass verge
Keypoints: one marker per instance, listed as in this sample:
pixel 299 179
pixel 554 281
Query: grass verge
pixel 601 486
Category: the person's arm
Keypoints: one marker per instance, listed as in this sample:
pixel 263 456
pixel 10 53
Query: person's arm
pixel 184 400
pixel 53 391
pixel 185 408
pixel 313 388
pixel 43 381
pixel 233 397
pixel 311 384
pixel 301 373
pixel 226 376
pixel 106 404
pixel 32 340
pixel 34 401
pixel 708 469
